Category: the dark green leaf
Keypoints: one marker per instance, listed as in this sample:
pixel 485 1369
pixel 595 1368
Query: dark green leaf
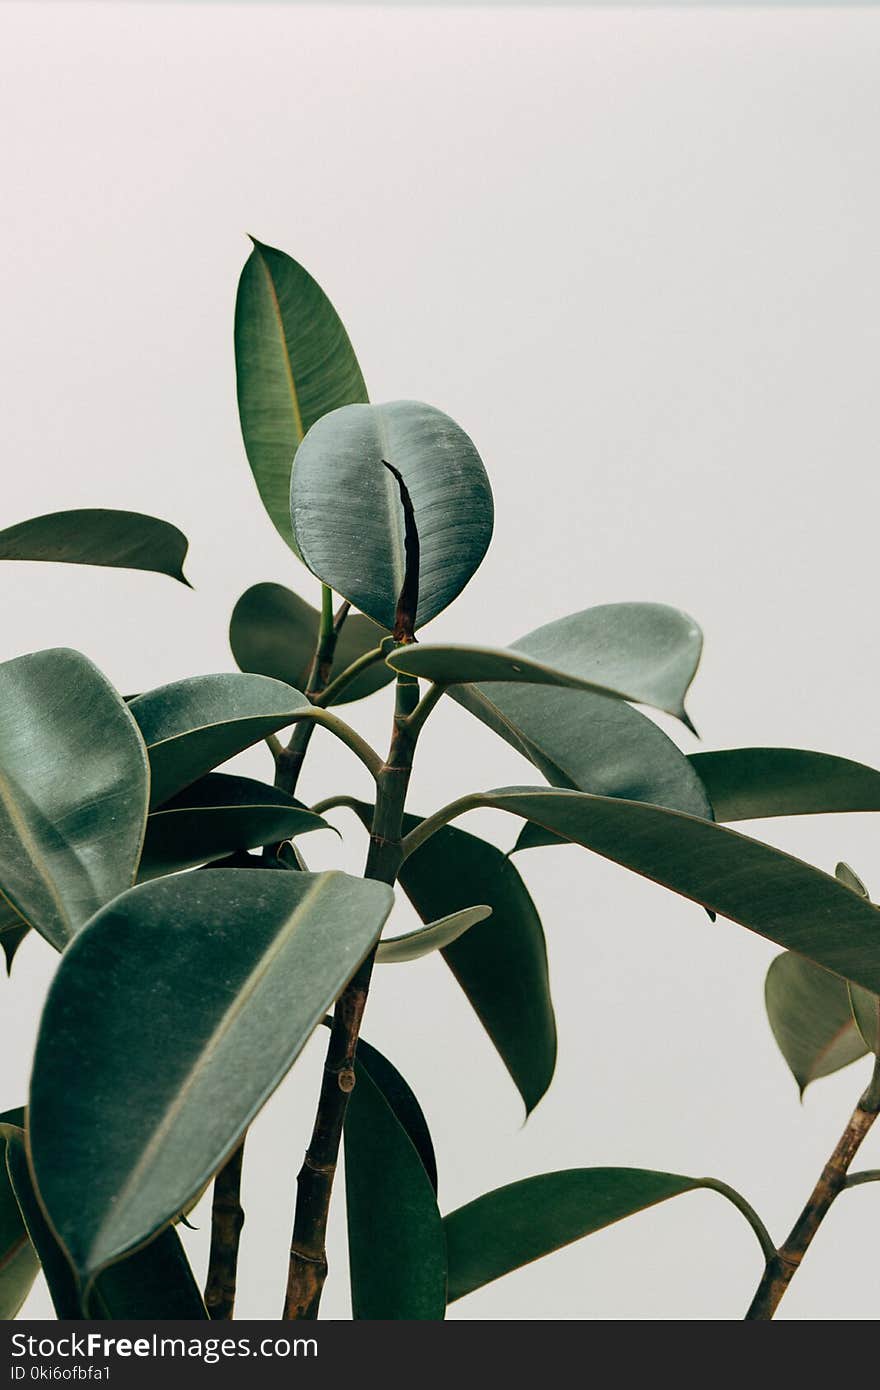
pixel 780 897
pixel 348 517
pixel 19 1265
pixel 293 363
pixel 274 632
pixel 748 783
pixel 73 791
pixel 514 1225
pixel 13 931
pixel 124 540
pixel 155 1283
pixel 633 651
pixel 434 937
pixel 809 1013
pixel 400 1097
pixel 194 725
pixel 216 816
pixel 397 1252
pixel 501 964
pixel 171 1019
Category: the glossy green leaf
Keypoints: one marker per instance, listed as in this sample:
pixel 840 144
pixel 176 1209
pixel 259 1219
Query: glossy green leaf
pixel 397 1250
pixel 399 1095
pixel 514 1225
pixel 809 1013
pixel 435 937
pixel 92 536
pixel 19 1264
pixel 348 517
pixel 216 816
pixel 154 1283
pixel 501 963
pixel 770 892
pixel 293 363
pixel 749 783
pixel 171 1019
pixel 274 632
pixel 633 651
pixel 194 725
pixel 73 791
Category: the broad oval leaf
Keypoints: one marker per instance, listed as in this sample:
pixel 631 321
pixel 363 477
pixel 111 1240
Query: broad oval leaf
pixel 194 725
pixel 501 963
pixel 809 1013
pixel 19 1264
pixel 274 632
pixel 98 536
pixel 216 816
pixel 644 652
pixel 396 1244
pixel 171 1019
pixel 772 893
pixel 293 362
pixel 750 783
pixel 434 937
pixel 155 1283
pixel 514 1225
pixel 348 517
pixel 74 784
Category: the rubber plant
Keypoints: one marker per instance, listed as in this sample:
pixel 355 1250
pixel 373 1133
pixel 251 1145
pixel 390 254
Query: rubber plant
pixel 197 953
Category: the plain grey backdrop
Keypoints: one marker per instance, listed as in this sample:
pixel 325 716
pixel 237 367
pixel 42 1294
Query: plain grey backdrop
pixel 634 254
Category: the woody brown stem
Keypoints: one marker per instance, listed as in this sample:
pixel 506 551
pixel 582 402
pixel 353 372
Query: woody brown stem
pixel 308 1255
pixel 227 1219
pixel 784 1265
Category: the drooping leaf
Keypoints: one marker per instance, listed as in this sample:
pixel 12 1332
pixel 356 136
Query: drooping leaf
pixel 73 791
pixel 216 816
pixel 397 1250
pixel 435 937
pixel 501 963
pixel 399 1095
pixel 171 1019
pixel 19 1264
pixel 154 1283
pixel 749 783
pixel 632 651
pixel 770 892
pixel 514 1225
pixel 194 725
pixel 809 1012
pixel 348 517
pixel 13 930
pixel 98 536
pixel 273 632
pixel 294 363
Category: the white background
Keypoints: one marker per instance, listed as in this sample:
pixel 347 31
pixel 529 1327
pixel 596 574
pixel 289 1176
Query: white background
pixel 634 253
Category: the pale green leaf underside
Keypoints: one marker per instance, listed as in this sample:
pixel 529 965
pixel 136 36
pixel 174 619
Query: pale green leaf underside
pixel 437 935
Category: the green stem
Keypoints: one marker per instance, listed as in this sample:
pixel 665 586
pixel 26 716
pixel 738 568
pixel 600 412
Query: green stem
pixel 431 824
pixel 765 1240
pixel 308 1254
pixel 431 697
pixel 289 762
pixel 363 663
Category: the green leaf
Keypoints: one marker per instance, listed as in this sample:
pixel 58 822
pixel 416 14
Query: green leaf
pixel 13 931
pixel 73 791
pixel 194 725
pixel 514 1225
pixel 399 1095
pixel 589 743
pixel 397 1251
pixel 19 1265
pixel 435 937
pixel 216 816
pixel 501 963
pixel 809 1014
pixel 274 632
pixel 92 536
pixel 155 1283
pixel 171 1019
pixel 866 1016
pixel 293 363
pixel 633 651
pixel 770 892
pixel 749 783
pixel 348 517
